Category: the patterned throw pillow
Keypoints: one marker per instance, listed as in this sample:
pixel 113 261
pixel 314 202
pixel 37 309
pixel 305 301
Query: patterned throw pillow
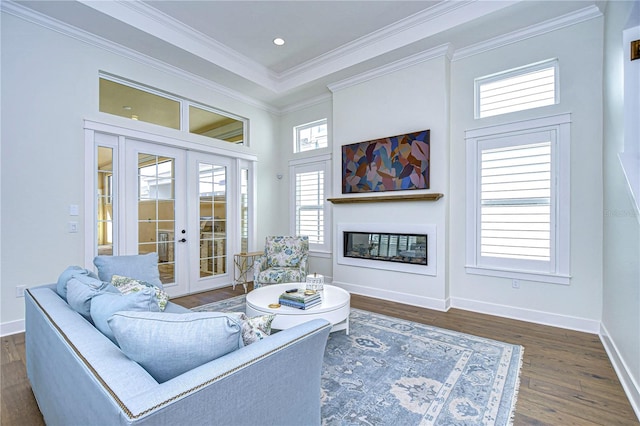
pixel 254 329
pixel 128 285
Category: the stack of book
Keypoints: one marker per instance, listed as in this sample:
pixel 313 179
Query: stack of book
pixel 301 299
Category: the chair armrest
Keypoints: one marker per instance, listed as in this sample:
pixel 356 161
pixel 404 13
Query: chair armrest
pixel 259 265
pixel 304 265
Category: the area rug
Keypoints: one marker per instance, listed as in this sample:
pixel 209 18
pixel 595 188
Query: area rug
pixel 389 371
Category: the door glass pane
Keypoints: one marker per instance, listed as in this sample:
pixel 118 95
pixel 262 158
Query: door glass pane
pixel 156 211
pixel 212 193
pixel 244 210
pixel 105 201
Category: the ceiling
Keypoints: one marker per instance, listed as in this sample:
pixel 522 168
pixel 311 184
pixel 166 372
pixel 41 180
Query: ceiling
pixel 229 43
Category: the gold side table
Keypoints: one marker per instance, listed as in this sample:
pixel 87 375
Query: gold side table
pixel 243 264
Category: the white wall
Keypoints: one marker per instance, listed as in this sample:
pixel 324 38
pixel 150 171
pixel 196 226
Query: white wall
pixel 621 298
pixel 49 85
pixel 577 305
pixel 404 101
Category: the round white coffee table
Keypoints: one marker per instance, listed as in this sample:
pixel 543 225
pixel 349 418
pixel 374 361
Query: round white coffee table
pixel 334 308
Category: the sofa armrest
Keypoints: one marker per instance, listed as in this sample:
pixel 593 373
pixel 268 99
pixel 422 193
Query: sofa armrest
pixel 273 381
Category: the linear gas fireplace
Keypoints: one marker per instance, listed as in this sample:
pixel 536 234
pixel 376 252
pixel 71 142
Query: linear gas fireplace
pixel 386 247
pixel 389 246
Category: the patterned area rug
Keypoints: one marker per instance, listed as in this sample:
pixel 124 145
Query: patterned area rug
pixel 389 371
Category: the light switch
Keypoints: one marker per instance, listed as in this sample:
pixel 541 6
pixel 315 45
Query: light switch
pixel 74 210
pixel 73 227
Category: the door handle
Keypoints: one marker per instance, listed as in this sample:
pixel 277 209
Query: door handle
pixel 184 240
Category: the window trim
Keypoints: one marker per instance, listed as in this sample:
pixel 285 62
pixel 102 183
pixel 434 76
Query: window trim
pixel 560 263
pixel 319 162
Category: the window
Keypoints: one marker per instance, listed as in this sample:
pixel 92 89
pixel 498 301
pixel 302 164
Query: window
pixel 140 103
pixel 310 185
pixel 515 201
pixel 105 199
pixel 310 136
pixel 528 87
pixel 244 209
pixel 518 200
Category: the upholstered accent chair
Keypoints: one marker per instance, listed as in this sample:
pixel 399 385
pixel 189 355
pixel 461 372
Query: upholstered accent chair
pixel 285 259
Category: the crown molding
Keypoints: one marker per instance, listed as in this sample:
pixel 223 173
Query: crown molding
pixel 550 25
pixel 442 16
pixel 444 50
pixel 27 14
pixel 158 24
pixel 413 28
pixel 305 104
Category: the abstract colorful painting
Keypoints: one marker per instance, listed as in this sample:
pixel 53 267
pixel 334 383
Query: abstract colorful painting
pixel 389 164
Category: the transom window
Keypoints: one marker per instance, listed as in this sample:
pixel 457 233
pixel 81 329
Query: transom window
pixel 141 103
pixel 310 136
pixel 519 89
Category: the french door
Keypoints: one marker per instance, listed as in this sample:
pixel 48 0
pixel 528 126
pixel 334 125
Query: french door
pixel 189 207
pixel 211 203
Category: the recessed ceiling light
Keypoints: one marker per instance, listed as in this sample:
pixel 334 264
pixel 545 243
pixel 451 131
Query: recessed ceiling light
pixel 126 108
pixel 278 41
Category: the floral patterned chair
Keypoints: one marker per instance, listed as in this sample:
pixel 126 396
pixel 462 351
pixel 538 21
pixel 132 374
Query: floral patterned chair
pixel 285 259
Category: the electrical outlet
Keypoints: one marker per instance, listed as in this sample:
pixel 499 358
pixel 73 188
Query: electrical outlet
pixel 515 283
pixel 20 290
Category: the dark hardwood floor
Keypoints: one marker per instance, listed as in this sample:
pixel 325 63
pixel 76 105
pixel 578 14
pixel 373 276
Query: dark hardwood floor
pixel 566 378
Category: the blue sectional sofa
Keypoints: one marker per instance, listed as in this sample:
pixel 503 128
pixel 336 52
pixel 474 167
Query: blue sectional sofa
pixel 80 377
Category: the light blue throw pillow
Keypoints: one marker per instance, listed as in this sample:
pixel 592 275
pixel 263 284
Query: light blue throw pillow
pixel 140 266
pixel 104 305
pixel 80 291
pixel 67 274
pixel 167 345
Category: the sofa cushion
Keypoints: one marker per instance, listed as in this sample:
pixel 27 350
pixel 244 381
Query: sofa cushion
pixel 281 275
pixel 67 274
pixel 104 305
pixel 141 267
pixel 167 345
pixel 128 285
pixel 80 291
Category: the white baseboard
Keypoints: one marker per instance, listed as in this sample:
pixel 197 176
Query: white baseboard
pixel 537 317
pixel 394 296
pixel 630 386
pixel 12 327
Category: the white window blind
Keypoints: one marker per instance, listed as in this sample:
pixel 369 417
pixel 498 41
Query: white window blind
pixel 518 200
pixel 515 198
pixel 310 205
pixel 524 88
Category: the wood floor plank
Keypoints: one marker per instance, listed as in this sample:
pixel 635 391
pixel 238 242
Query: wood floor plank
pixel 566 378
